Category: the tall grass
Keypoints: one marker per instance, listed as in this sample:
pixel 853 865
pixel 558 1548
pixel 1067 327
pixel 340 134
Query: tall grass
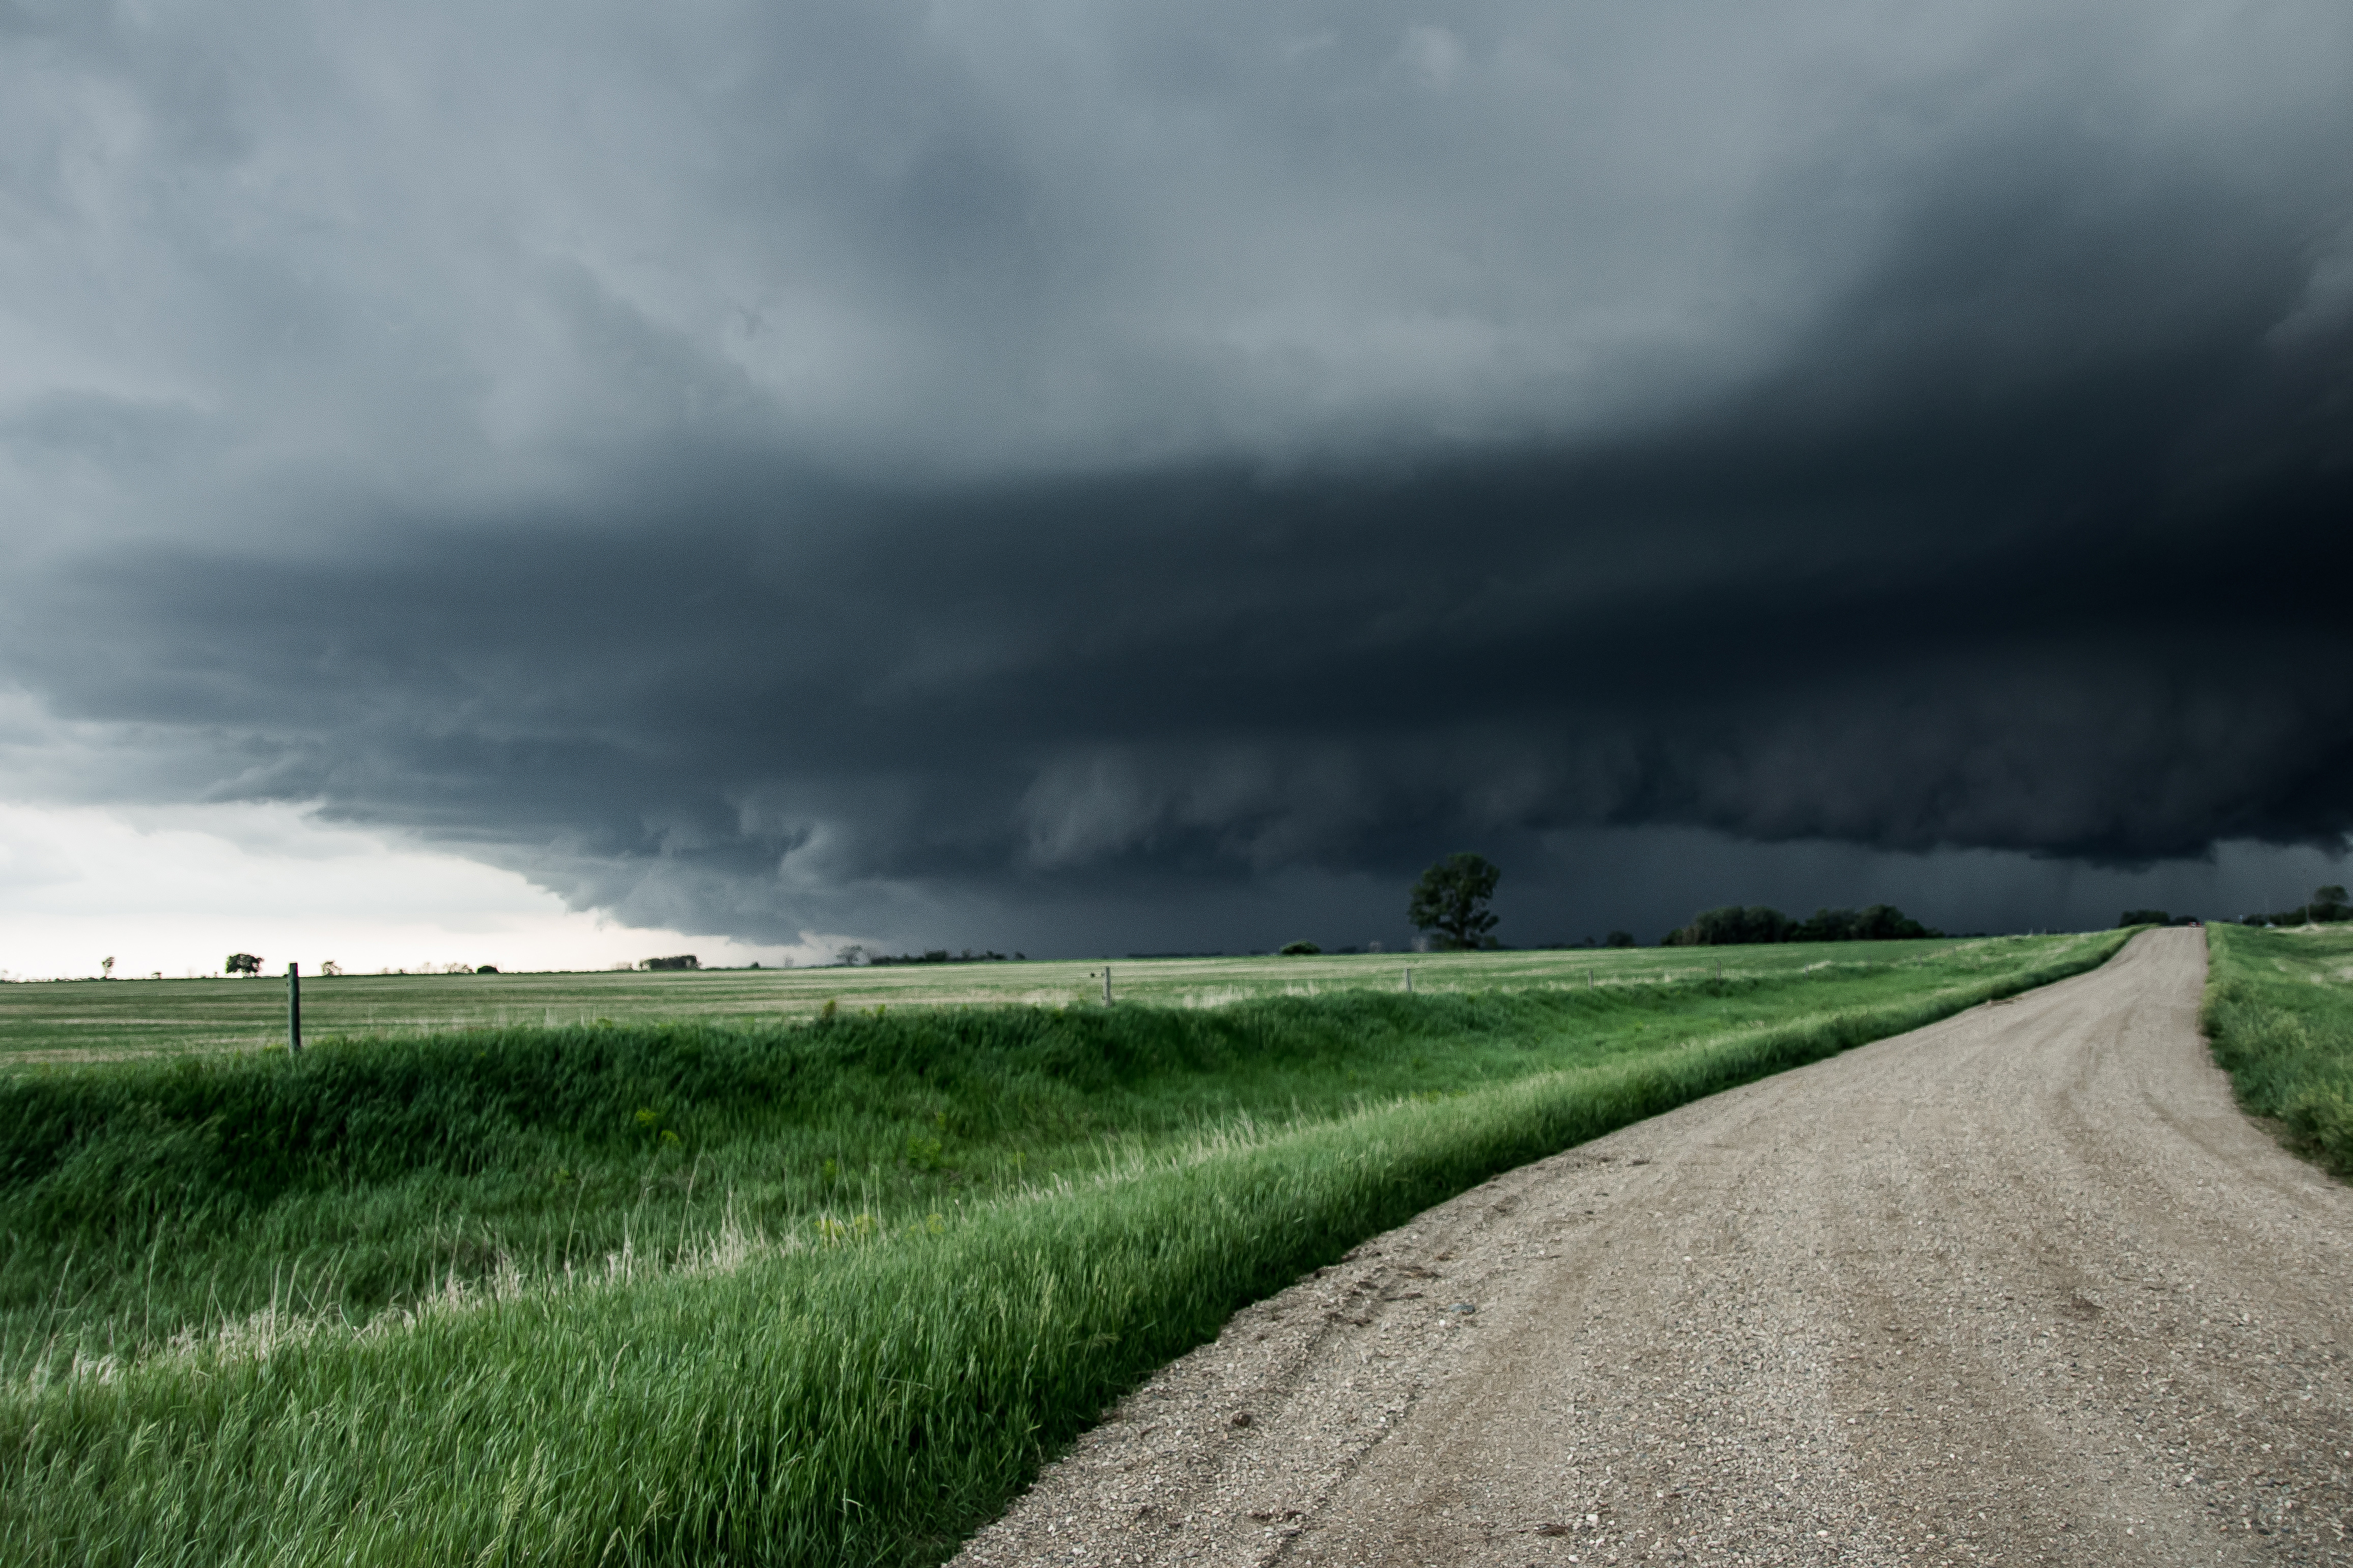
pixel 866 1394
pixel 2279 1013
pixel 143 1200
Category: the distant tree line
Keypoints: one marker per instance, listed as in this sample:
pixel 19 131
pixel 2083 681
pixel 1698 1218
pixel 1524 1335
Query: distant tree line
pixel 677 961
pixel 1734 926
pixel 1449 905
pixel 937 955
pixel 2327 906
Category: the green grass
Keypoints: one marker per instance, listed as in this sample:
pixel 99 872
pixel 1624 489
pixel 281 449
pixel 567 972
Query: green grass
pixel 66 1022
pixel 1024 1211
pixel 2279 1011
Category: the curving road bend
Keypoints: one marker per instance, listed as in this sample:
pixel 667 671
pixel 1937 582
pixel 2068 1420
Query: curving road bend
pixel 2023 1286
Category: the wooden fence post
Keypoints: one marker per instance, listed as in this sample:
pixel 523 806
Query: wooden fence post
pixel 1106 985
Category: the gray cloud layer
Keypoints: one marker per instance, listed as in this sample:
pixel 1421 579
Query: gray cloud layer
pixel 1095 472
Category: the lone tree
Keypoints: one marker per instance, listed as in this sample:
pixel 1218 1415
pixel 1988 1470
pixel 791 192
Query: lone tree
pixel 243 964
pixel 1450 901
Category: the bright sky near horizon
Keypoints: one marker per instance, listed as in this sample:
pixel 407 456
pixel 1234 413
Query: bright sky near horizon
pixel 176 890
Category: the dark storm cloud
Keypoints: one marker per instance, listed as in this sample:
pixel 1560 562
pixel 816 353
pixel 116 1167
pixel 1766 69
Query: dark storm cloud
pixel 1077 473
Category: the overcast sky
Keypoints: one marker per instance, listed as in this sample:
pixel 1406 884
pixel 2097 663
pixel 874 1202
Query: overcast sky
pixel 1092 478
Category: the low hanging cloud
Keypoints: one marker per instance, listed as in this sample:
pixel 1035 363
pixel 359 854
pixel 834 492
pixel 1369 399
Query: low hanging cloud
pixel 1083 471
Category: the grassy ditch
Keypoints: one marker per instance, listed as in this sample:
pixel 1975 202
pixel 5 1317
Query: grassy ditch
pixel 871 1379
pixel 2279 1012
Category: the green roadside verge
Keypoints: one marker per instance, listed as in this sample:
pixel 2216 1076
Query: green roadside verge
pixel 2279 1014
pixel 866 1399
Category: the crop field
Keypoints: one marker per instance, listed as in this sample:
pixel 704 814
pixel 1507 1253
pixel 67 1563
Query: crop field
pixel 736 1279
pixel 84 1020
pixel 2279 1010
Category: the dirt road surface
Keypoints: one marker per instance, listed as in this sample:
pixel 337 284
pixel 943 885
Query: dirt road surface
pixel 2023 1287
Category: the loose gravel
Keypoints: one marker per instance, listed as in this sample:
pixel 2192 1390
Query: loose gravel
pixel 2023 1286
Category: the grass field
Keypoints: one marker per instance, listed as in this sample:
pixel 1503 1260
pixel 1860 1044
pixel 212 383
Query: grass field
pixel 80 1020
pixel 2279 1011
pixel 769 1290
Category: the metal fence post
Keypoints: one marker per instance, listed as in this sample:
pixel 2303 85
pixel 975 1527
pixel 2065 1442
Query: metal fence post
pixel 293 1006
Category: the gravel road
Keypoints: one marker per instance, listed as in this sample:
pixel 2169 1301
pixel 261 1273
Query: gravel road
pixel 2023 1287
